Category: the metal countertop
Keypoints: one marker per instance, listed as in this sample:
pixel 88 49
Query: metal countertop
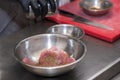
pixel 101 62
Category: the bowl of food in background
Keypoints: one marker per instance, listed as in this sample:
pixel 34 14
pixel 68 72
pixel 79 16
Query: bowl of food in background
pixel 96 7
pixel 68 30
pixel 49 54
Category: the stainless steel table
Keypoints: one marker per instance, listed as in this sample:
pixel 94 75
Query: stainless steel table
pixel 101 62
pixel 117 77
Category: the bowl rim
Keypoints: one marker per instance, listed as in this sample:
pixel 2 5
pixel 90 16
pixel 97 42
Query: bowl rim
pixel 66 25
pixel 53 67
pixel 82 6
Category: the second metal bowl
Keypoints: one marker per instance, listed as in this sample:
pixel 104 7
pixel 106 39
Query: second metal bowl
pixel 67 29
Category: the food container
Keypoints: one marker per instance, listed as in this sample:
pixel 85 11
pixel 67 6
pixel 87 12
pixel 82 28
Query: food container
pixel 29 47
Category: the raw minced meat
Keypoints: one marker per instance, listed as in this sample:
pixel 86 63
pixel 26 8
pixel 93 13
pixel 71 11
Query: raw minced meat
pixel 53 57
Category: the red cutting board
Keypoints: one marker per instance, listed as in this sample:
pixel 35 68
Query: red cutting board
pixel 112 19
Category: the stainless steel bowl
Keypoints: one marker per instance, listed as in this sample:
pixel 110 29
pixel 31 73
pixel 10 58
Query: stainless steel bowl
pixel 96 7
pixel 67 29
pixel 29 47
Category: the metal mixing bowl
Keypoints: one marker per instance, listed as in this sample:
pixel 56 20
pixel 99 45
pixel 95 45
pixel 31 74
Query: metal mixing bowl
pixel 67 29
pixel 96 7
pixel 29 47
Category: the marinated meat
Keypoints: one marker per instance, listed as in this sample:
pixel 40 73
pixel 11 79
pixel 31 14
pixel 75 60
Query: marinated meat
pixel 53 57
pixel 28 61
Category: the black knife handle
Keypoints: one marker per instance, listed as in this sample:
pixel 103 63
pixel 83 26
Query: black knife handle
pixel 25 4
